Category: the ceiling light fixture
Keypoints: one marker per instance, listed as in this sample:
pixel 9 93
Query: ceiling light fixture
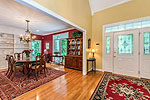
pixel 27 37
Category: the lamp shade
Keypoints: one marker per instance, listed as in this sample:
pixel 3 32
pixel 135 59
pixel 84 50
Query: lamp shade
pixel 93 50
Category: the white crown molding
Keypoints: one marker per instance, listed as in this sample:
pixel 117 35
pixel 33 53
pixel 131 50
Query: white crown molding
pixel 58 31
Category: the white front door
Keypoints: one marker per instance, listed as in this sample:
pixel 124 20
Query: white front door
pixel 108 52
pixel 145 53
pixel 126 53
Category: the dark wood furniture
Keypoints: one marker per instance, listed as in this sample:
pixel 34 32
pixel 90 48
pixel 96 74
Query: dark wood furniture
pixel 17 55
pixel 93 64
pixel 26 62
pixel 8 64
pixel 13 67
pixel 74 53
pixel 38 67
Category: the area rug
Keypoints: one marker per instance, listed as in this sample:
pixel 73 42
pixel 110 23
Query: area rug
pixel 22 84
pixel 113 87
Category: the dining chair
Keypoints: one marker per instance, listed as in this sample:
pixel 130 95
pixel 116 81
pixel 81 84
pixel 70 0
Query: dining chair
pixel 13 68
pixel 17 55
pixel 8 64
pixel 38 67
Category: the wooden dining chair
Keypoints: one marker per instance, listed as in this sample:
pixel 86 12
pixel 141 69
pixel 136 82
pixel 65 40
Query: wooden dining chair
pixel 38 67
pixel 17 55
pixel 13 68
pixel 8 64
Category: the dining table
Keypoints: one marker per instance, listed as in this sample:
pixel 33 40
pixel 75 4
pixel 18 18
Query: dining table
pixel 26 61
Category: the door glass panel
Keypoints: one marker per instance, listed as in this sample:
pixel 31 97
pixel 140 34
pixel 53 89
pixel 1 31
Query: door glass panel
pixel 36 47
pixel 147 43
pixel 108 45
pixel 125 44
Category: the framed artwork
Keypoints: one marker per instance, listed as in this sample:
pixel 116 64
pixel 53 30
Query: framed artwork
pixel 47 45
pixel 89 43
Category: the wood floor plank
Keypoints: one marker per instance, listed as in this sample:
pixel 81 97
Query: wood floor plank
pixel 71 86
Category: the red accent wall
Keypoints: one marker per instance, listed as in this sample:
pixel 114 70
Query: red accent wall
pixel 49 38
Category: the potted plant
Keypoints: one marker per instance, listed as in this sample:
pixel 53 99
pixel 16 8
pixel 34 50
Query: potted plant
pixel 27 52
pixel 76 34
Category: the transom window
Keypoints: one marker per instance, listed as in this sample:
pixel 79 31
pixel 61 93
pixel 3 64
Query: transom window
pixel 128 26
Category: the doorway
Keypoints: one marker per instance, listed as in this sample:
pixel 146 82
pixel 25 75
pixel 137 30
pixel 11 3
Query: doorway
pixel 128 52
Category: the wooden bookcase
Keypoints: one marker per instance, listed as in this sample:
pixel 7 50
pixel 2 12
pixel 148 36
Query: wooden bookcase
pixel 74 53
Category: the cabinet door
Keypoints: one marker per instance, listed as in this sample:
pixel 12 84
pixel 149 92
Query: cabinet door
pixel 67 62
pixel 74 63
pixel 79 63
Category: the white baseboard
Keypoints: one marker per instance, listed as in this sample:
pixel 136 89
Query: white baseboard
pixel 100 70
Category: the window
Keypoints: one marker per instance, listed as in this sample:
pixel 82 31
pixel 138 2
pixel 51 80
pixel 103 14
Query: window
pixel 147 43
pixel 36 47
pixel 125 44
pixel 108 45
pixel 128 26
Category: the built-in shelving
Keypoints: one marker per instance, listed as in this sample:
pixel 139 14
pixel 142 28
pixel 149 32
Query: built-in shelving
pixel 10 44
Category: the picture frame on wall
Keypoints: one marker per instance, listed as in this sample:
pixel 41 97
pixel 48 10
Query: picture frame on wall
pixel 47 45
pixel 89 43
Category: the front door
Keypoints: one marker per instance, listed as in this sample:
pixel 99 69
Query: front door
pixel 108 52
pixel 126 53
pixel 145 53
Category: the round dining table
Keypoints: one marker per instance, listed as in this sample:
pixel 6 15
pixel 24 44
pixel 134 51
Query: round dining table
pixel 26 61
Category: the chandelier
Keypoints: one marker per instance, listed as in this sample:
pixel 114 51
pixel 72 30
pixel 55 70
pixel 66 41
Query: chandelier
pixel 27 37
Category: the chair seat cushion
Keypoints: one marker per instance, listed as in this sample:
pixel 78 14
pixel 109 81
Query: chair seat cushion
pixel 19 64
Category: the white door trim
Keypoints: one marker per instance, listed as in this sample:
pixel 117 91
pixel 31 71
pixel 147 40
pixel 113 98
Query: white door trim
pixel 34 5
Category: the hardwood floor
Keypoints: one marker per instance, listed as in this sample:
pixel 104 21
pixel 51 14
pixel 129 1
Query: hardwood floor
pixel 71 86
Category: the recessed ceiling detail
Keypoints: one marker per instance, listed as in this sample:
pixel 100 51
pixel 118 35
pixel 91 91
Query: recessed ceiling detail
pixel 98 5
pixel 14 14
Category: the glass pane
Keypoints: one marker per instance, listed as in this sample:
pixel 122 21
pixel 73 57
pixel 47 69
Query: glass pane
pixel 114 28
pixel 108 45
pixel 121 27
pixel 64 47
pixel 146 23
pixel 129 26
pixel 125 44
pixel 147 43
pixel 56 46
pixel 137 25
pixel 108 29
pixel 36 47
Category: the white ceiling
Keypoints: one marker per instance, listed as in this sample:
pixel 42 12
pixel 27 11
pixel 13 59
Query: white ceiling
pixel 98 5
pixel 14 14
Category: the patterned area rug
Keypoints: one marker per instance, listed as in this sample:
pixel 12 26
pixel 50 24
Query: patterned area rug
pixel 21 84
pixel 113 87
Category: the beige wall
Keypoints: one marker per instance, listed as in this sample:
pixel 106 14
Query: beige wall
pixel 130 10
pixel 76 11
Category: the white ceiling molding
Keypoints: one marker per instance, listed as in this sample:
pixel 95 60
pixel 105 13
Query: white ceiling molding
pixel 99 5
pixel 58 31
